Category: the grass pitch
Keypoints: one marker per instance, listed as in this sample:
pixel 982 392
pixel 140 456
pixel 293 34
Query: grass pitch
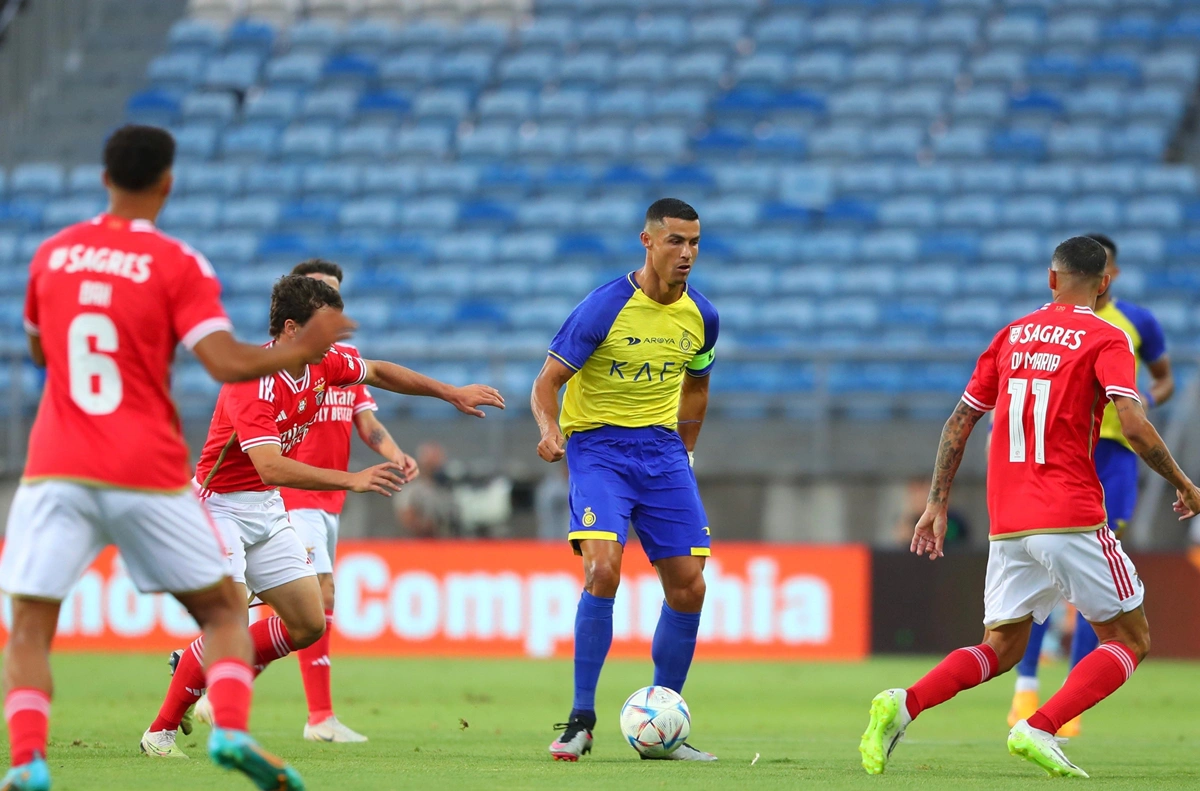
pixel 464 725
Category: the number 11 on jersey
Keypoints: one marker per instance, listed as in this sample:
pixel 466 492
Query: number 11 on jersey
pixel 1017 388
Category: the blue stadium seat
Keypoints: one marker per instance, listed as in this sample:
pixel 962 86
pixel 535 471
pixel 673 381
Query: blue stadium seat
pixel 781 32
pixel 1057 71
pixel 954 29
pixel 431 214
pixel 897 246
pixel 184 215
pixel 962 143
pixel 330 104
pixel 1175 67
pixel 368 37
pixel 627 104
pixel 68 211
pixel 250 36
pixel 502 181
pixel 486 214
pixel 407 70
pixel 697 69
pixel 470 69
pixel 1021 144
pixel 897 142
pixel 865 104
pixel 881 68
pixel 84 181
pixel 273 180
pixel 938 68
pixel 838 30
pixel 1108 179
pixel 547 142
pixel 660 142
pixel 272 106
pixel 717 30
pixel 219 107
pixel 960 246
pixel 657 30
pixel 428 33
pixel 872 180
pixel 20 215
pixel 980 104
pixel 1159 213
pixel 1098 103
pixel 1075 30
pixel 745 180
pixel 1114 69
pixel 366 144
pixel 1143 249
pixel 1061 179
pixel 1138 142
pixel 970 211
pixel 768 70
pixel 307 142
pixel 36 181
pixel 1016 30
pixel 1030 211
pixel 1161 105
pixel 458 179
pixel 601 143
pixel 254 214
pixel 927 179
pixel 505 105
pixel 898 29
pixel 350 70
pixel 383 106
pixel 312 214
pixel 610 31
pixel 369 214
pixel 585 69
pixel 940 280
pixel 853 313
pixel 1076 143
pixel 331 180
pixel 992 281
pixel 527 248
pixel 565 105
pixel 299 70
pixel 236 72
pixel 194 36
pixel 230 249
pixel 1169 179
pixel 442 104
pixel 313 36
pixel 1092 212
pixel 830 246
pixel 487 142
pixel 422 142
pixel 840 142
pixel 606 214
pixel 919 104
pixel 177 71
pixel 998 67
pixel 154 106
pixel 822 69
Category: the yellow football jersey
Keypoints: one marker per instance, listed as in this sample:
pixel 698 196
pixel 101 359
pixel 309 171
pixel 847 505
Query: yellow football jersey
pixel 630 354
pixel 1148 345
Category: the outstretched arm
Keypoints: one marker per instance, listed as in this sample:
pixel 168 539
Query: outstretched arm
pixel 1146 442
pixel 376 437
pixel 398 379
pixel 693 405
pixel 544 403
pixel 930 531
pixel 275 469
pixel 229 360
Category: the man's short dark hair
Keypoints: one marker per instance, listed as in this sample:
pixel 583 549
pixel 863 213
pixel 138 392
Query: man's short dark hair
pixel 1080 255
pixel 318 266
pixel 298 297
pixel 1106 242
pixel 663 208
pixel 136 156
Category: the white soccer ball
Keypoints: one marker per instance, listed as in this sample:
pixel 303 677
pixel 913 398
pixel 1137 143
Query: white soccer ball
pixel 655 721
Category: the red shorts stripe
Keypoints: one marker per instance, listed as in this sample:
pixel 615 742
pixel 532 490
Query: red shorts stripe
pixel 1122 569
pixel 1114 562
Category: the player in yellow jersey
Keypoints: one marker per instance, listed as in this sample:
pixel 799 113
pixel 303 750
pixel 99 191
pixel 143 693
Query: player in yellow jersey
pixel 1116 465
pixel 635 357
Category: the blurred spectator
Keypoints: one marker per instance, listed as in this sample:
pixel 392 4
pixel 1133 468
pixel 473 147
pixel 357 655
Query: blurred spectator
pixel 915 496
pixel 551 502
pixel 426 507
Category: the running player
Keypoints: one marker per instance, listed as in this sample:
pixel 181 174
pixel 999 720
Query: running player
pixel 314 514
pixel 635 357
pixel 1117 467
pixel 1045 375
pixel 255 431
pixel 108 301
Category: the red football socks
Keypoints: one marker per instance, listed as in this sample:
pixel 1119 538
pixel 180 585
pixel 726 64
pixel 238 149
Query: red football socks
pixel 187 685
pixel 230 688
pixel 27 712
pixel 315 670
pixel 271 641
pixel 1098 675
pixel 962 669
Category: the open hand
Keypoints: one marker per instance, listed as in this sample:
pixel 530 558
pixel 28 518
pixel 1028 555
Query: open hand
pixel 930 532
pixel 382 479
pixel 409 465
pixel 468 399
pixel 553 447
pixel 325 328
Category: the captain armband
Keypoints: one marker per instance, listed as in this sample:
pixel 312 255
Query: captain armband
pixel 703 361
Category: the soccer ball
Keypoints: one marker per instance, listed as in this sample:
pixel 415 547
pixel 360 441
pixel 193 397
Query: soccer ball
pixel 656 721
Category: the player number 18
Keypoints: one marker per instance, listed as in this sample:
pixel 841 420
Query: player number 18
pixel 95 378
pixel 1016 418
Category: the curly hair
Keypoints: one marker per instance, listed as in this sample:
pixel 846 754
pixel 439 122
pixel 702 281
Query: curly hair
pixel 297 297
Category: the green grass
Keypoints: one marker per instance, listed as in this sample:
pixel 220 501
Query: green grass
pixel 804 720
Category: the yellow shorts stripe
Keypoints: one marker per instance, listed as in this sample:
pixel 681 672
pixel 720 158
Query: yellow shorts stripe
pixel 600 535
pixel 701 552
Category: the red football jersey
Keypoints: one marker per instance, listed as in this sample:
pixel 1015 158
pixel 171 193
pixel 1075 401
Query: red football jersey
pixel 1049 376
pixel 111 299
pixel 273 410
pixel 328 444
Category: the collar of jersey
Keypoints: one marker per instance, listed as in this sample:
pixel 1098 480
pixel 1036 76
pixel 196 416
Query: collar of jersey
pixel 1078 308
pixel 637 289
pixel 133 225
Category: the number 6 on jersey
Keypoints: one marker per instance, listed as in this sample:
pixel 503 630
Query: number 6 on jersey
pixel 95 378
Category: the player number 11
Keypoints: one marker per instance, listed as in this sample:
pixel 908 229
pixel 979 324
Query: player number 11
pixel 1016 418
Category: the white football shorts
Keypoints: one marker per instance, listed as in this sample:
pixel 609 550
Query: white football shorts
pixel 318 531
pixel 56 528
pixel 266 552
pixel 1029 575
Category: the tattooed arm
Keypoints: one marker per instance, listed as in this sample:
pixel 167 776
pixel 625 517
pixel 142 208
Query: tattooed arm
pixel 376 437
pixel 1146 442
pixel 931 527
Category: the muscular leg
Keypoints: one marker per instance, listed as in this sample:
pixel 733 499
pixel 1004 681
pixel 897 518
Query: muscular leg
pixel 314 662
pixel 221 614
pixel 593 620
pixel 1124 643
pixel 965 668
pixel 679 622
pixel 27 682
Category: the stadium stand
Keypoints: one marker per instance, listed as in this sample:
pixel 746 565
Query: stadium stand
pixel 880 174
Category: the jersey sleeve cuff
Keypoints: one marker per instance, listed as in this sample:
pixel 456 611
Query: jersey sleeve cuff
pixel 698 374
pixel 975 403
pixel 31 328
pixel 563 360
pixel 367 407
pixel 1112 391
pixel 204 329
pixel 260 441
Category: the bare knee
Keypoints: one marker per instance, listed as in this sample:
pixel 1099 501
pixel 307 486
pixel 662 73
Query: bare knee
pixel 687 596
pixel 1137 641
pixel 602 577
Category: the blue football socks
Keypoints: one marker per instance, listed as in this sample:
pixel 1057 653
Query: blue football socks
pixel 593 637
pixel 673 647
pixel 1084 642
pixel 1028 666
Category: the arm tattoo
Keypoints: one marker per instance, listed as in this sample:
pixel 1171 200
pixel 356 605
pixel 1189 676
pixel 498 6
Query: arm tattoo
pixel 376 438
pixel 950 451
pixel 1158 458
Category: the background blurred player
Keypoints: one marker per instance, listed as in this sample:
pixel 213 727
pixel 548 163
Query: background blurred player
pixel 1044 374
pixel 635 356
pixel 1117 467
pixel 315 514
pixel 108 302
pixel 255 431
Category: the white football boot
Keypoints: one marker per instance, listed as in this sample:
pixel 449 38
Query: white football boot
pixel 1043 749
pixel 331 730
pixel 203 712
pixel 161 744
pixel 889 719
pixel 574 742
pixel 684 752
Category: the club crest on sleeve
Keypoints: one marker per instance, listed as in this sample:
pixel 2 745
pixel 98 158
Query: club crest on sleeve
pixel 1013 334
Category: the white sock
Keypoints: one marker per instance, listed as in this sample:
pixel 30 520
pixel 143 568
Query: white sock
pixel 1027 684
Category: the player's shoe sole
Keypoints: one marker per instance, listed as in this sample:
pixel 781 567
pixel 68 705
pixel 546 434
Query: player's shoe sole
pixel 1042 750
pixel 1024 705
pixel 33 776
pixel 884 731
pixel 238 751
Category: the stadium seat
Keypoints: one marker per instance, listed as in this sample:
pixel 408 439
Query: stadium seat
pixel 35 181
pixel 83 181
pixel 195 142
pixel 298 70
pixel 153 106
pixel 236 72
pixel 1030 211
pixel 176 71
pixel 272 180
pixel 962 143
